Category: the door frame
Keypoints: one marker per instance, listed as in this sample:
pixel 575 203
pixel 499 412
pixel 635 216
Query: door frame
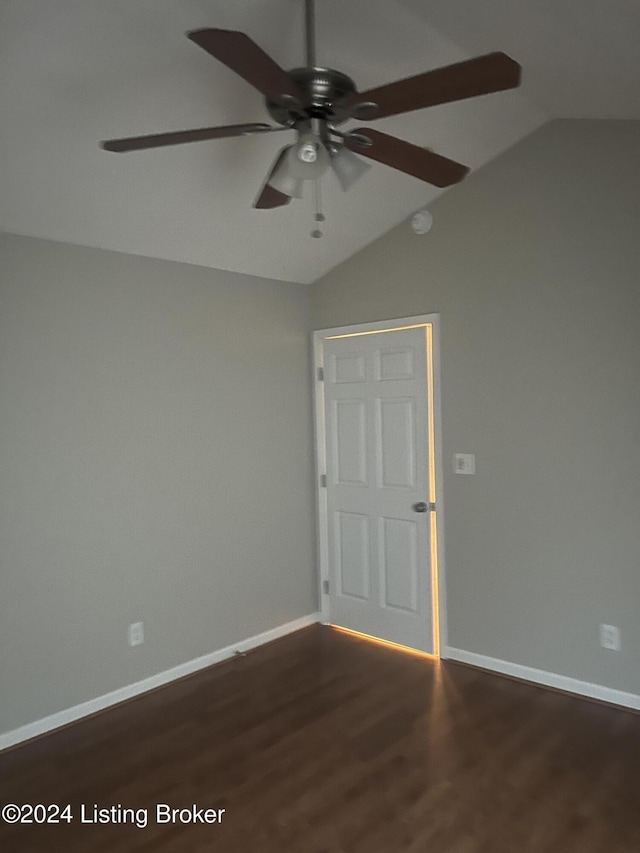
pixel 434 417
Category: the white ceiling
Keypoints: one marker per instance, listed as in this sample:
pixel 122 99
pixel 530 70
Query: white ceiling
pixel 74 72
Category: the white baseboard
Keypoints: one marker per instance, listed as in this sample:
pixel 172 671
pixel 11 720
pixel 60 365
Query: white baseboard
pixel 70 715
pixel 548 679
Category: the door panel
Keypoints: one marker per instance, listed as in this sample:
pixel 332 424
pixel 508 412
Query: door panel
pixel 377 469
pixel 352 554
pixel 350 442
pixel 349 367
pixel 399 566
pixel 395 429
pixel 395 363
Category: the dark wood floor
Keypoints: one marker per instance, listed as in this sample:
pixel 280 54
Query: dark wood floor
pixel 326 743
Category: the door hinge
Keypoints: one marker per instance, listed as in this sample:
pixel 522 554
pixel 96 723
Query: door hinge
pixel 323 481
pixel 325 587
pixel 432 507
pixel 321 374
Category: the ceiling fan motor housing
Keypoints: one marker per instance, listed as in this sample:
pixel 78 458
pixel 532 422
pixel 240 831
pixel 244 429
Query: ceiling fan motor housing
pixel 325 92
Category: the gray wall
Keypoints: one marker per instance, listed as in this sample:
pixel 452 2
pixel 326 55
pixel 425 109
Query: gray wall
pixel 534 265
pixel 155 465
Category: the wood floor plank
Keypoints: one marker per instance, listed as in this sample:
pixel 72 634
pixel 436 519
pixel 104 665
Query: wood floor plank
pixel 326 743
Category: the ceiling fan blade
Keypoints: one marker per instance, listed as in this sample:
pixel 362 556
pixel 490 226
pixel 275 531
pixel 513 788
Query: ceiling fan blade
pixel 156 140
pixel 242 55
pixel 493 72
pixel 419 162
pixel 269 196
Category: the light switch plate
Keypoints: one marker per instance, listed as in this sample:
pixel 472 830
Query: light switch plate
pixel 464 463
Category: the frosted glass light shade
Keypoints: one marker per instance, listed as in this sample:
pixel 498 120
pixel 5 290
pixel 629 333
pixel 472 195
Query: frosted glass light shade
pixel 348 167
pixel 282 180
pixel 306 169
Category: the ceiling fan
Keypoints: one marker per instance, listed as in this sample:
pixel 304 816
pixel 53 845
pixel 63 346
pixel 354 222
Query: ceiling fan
pixel 313 101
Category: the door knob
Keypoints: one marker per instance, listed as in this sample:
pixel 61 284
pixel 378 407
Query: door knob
pixel 420 507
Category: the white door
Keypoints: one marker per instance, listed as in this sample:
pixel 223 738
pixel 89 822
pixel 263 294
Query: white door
pixel 380 491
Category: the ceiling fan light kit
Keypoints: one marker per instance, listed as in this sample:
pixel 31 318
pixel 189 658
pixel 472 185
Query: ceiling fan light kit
pixel 347 167
pixel 282 180
pixel 309 158
pixel 313 102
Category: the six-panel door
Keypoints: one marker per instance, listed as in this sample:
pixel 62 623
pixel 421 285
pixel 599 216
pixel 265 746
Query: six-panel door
pixel 377 442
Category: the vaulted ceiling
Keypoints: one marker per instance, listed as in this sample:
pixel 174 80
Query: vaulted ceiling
pixel 74 72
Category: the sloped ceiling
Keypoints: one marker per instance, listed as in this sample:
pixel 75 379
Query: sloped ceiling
pixel 74 72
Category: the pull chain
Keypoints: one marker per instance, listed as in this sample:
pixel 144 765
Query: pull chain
pixel 319 217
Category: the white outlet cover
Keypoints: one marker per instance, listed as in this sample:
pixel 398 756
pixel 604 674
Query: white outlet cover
pixel 136 634
pixel 610 637
pixel 464 463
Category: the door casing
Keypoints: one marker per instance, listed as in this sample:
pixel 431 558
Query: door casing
pixel 319 337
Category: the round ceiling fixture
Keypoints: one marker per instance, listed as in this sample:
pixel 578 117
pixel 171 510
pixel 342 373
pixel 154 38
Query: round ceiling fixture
pixel 421 222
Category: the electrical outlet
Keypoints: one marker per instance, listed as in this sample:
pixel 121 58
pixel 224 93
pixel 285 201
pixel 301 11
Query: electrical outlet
pixel 610 637
pixel 136 633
